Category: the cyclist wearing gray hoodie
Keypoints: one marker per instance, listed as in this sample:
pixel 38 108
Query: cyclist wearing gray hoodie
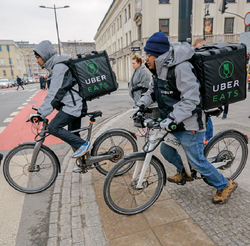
pixel 176 90
pixel 70 105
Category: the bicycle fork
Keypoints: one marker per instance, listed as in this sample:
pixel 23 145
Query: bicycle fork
pixel 170 140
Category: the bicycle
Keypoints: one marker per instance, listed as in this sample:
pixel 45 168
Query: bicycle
pixel 139 188
pixel 32 167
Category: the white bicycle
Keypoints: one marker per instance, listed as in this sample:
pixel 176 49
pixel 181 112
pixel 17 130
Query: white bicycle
pixel 138 188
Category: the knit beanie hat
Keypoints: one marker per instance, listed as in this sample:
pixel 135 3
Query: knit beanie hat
pixel 157 44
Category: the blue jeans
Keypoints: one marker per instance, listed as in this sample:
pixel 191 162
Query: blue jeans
pixel 192 143
pixel 210 130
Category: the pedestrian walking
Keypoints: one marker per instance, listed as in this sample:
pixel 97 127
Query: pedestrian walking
pixel 225 112
pixel 19 83
pixel 42 83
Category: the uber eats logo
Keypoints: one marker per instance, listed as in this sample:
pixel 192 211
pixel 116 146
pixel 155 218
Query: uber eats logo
pixel 226 70
pixel 92 68
pixel 97 82
pixel 229 88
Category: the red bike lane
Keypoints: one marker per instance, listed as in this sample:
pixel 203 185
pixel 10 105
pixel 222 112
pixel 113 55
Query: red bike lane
pixel 19 131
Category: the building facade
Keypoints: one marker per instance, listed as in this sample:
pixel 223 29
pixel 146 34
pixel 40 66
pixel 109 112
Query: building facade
pixel 129 23
pixel 11 60
pixel 72 48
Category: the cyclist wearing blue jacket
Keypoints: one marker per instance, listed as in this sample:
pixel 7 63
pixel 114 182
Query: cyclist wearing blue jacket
pixel 69 104
pixel 176 90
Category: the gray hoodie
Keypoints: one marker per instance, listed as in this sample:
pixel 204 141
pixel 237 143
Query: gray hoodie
pixel 60 74
pixel 186 83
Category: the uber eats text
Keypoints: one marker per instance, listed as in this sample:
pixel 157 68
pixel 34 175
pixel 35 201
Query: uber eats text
pixel 230 86
pixel 98 81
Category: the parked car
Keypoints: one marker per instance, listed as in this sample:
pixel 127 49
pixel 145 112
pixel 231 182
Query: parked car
pixel 5 83
pixel 13 82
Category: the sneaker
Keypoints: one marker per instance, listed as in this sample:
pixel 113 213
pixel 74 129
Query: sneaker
pixel 224 116
pixel 177 178
pixel 82 150
pixel 222 196
pixel 77 170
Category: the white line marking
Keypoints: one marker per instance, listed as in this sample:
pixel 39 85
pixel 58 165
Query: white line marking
pixel 8 120
pixel 14 113
pixel 2 129
pixel 20 107
pixel 24 103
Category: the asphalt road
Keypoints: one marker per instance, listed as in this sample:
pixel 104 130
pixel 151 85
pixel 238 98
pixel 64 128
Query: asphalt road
pixel 24 218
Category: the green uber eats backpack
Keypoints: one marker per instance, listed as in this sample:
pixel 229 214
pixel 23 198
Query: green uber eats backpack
pixel 93 74
pixel 221 71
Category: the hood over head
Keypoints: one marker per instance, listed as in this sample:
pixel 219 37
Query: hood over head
pixel 45 49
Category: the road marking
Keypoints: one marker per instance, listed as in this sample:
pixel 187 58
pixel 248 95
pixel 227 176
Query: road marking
pixel 2 129
pixel 24 103
pixel 8 120
pixel 14 113
pixel 20 107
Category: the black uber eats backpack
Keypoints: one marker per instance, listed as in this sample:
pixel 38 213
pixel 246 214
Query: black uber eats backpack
pixel 221 70
pixel 93 74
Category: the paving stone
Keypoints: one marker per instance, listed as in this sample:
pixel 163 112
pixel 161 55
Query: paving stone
pixel 53 230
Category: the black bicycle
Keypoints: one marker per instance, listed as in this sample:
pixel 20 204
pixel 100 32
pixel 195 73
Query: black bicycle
pixel 32 167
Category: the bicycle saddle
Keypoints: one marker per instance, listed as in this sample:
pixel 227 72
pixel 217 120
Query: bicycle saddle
pixel 95 114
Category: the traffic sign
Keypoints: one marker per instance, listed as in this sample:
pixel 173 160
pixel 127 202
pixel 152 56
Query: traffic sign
pixel 247 19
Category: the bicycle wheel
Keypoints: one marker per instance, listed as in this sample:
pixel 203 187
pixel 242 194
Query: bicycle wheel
pixel 118 143
pixel 228 146
pixel 16 169
pixel 120 192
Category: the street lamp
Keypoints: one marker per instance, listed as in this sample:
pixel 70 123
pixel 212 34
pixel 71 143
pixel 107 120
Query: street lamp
pixel 206 13
pixel 56 21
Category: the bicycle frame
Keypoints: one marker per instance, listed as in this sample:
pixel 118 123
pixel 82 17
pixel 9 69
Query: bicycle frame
pixel 168 138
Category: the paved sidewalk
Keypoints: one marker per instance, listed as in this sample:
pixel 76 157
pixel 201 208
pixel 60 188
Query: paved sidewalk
pixel 183 215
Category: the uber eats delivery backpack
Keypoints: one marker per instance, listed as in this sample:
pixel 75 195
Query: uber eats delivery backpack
pixel 93 74
pixel 221 70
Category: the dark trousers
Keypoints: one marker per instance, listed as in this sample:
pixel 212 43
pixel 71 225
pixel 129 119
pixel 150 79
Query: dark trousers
pixel 19 85
pixel 61 120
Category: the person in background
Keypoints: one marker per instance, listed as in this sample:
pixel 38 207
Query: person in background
pixel 225 112
pixel 19 83
pixel 139 83
pixel 210 129
pixel 41 80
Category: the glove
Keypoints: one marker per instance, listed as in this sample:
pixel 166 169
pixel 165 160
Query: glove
pixel 34 118
pixel 168 125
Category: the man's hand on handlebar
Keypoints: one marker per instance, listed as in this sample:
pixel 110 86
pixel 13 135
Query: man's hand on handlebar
pixel 168 125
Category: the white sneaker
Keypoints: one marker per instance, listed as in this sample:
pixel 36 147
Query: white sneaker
pixel 82 150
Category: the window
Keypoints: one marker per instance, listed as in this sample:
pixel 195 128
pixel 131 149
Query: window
pixel 2 61
pixel 164 26
pixel 163 1
pixel 130 37
pixel 117 24
pixel 248 1
pixel 208 1
pixel 229 25
pixel 231 1
pixel 126 39
pixel 120 21
pixel 8 48
pixel 121 43
pixel 0 47
pixel 129 12
pixel 125 15
pixel 4 72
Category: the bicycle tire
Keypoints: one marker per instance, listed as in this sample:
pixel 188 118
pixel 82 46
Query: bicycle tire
pixel 113 142
pixel 228 145
pixel 16 169
pixel 121 194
